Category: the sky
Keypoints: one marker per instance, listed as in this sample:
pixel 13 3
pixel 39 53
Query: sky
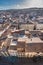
pixel 20 4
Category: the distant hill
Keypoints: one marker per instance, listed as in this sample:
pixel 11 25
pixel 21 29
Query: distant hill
pixel 38 11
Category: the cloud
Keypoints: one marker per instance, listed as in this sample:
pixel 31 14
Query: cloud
pixel 25 4
pixel 35 3
pixel 32 3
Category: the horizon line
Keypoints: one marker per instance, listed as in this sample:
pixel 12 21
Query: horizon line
pixel 20 8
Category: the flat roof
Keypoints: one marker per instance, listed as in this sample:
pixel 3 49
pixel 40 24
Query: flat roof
pixel 13 43
pixel 9 36
pixel 17 30
pixel 34 40
pixel 35 31
pixel 27 32
pixel 41 31
pixel 21 40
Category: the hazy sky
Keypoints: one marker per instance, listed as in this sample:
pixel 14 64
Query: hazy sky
pixel 19 4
